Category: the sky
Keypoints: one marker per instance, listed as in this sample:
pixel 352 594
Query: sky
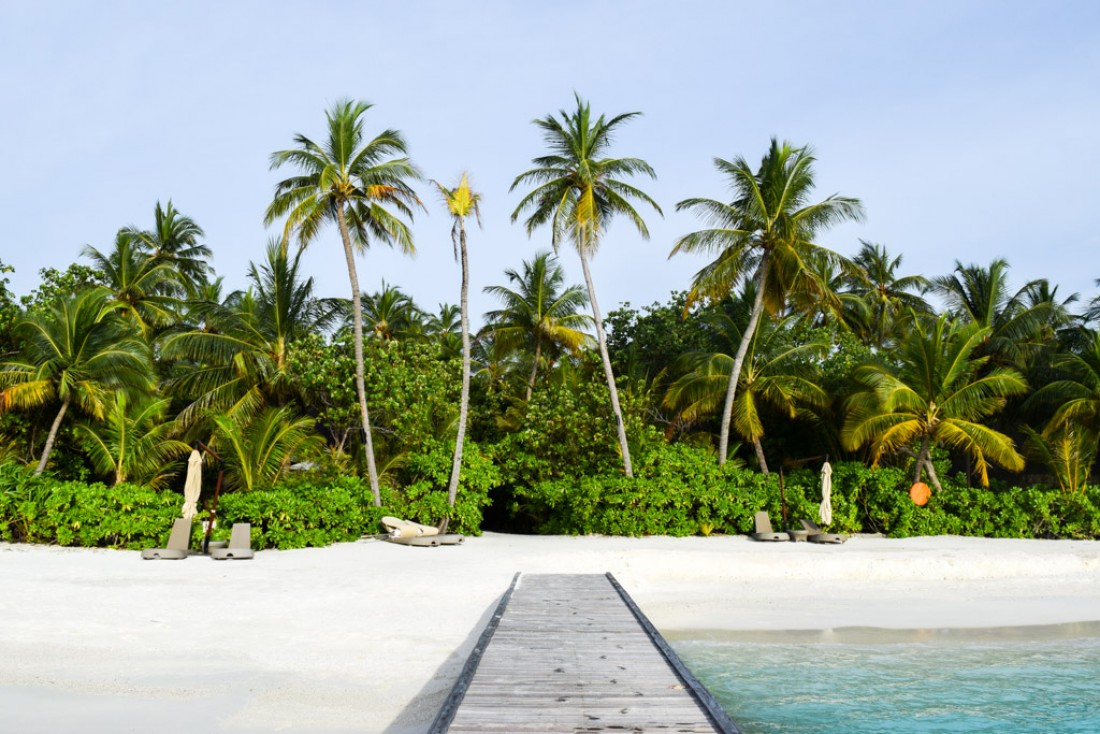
pixel 969 129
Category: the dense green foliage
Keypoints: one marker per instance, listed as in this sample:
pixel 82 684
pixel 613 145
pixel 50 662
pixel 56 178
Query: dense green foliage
pixel 686 493
pixel 323 414
pixel 308 510
pixel 679 491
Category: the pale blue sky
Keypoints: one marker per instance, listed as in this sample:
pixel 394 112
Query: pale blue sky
pixel 969 129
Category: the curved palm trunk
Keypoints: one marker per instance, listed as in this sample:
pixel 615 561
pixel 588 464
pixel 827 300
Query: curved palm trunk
pixel 608 373
pixel 739 358
pixel 534 368
pixel 464 401
pixel 760 455
pixel 924 463
pixel 357 320
pixel 52 437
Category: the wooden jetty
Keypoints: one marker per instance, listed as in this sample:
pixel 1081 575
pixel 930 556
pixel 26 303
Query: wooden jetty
pixel 574 653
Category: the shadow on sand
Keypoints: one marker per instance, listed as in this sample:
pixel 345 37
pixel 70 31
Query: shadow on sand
pixel 418 715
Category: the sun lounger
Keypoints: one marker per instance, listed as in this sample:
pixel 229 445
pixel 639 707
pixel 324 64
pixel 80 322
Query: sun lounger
pixel 406 532
pixel 764 529
pixel 177 543
pixel 817 535
pixel 430 541
pixel 240 544
pixel 398 528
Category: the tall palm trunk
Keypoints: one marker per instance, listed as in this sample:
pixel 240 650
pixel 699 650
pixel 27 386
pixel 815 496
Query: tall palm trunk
pixel 608 373
pixel 52 437
pixel 534 368
pixel 760 456
pixel 464 401
pixel 739 358
pixel 360 386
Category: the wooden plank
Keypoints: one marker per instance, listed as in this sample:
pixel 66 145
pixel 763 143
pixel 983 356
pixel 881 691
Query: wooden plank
pixel 573 653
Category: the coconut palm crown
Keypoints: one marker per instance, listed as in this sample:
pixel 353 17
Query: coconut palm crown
pixel 174 241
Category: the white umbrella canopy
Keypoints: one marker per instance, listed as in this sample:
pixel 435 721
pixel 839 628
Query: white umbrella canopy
pixel 192 486
pixel 826 508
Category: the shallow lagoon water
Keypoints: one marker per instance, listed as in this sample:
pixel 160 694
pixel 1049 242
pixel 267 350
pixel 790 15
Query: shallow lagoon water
pixel 1027 679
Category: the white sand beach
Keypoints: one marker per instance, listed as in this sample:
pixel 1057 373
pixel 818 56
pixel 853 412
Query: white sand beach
pixel 370 636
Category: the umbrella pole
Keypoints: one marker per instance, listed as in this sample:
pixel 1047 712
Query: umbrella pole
pixel 214 504
pixel 213 511
pixel 783 496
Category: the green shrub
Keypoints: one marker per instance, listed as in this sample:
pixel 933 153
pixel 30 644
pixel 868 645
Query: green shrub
pixel 681 491
pixel 296 514
pixel 302 515
pixel 44 510
pixel 311 511
pixel 423 494
pixel 678 490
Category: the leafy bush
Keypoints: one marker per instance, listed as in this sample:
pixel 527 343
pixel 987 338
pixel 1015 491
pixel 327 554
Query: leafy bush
pixel 44 510
pixel 568 430
pixel 294 515
pixel 678 490
pixel 423 494
pixel 302 515
pixel 681 491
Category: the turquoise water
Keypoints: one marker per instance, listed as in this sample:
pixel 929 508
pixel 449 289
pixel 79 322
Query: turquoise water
pixel 857 681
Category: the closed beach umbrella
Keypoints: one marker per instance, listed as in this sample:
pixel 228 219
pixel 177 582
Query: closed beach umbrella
pixel 192 486
pixel 826 508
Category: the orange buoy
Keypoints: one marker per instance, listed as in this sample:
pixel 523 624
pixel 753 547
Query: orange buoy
pixel 920 493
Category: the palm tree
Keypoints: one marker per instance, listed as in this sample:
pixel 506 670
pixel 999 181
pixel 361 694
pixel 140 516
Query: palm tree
pixel 833 302
pixel 1068 453
pixel 239 361
pixel 938 396
pixel 392 314
pixel 78 354
pixel 174 241
pixel 1077 395
pixel 1093 311
pixel 259 448
pixel 889 298
pixel 133 443
pixel 138 284
pixel 286 301
pixel 354 183
pixel 461 201
pixel 490 361
pixel 578 191
pixel 774 374
pixel 446 327
pixel 1059 331
pixel 981 296
pixel 538 312
pixel 769 226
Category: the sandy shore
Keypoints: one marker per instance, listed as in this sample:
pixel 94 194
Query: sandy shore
pixel 369 636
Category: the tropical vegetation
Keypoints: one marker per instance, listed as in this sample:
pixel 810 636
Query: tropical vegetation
pixel 319 413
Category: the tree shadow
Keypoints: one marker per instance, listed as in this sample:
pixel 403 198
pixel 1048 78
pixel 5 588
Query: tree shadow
pixel 420 712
